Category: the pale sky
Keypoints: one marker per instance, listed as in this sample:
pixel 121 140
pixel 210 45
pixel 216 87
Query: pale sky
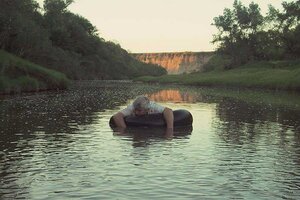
pixel 144 26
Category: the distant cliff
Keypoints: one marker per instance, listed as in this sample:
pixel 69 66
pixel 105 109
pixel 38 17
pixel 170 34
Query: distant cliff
pixel 178 62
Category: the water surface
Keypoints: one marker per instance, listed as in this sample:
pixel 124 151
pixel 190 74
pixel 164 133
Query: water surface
pixel 58 145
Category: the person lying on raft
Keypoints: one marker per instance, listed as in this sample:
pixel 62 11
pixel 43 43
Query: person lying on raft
pixel 142 106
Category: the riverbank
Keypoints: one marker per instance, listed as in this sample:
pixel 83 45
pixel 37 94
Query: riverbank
pixel 277 75
pixel 18 75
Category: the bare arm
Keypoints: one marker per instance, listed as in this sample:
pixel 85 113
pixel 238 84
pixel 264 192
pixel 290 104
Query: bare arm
pixel 119 120
pixel 169 117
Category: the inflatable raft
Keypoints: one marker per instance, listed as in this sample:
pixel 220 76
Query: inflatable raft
pixel 181 118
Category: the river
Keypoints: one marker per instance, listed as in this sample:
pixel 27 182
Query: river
pixel 244 144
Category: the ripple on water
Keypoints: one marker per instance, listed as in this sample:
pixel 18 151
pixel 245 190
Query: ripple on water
pixel 59 145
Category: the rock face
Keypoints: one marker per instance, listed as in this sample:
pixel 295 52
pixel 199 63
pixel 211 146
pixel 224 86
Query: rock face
pixel 176 63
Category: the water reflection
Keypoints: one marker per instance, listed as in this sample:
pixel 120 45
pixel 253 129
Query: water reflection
pixel 59 144
pixel 37 128
pixel 172 96
pixel 239 118
pixel 61 112
pixel 144 136
pixel 257 135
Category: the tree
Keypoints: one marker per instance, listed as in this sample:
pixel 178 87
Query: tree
pixel 64 41
pixel 54 7
pixel 238 30
pixel 245 34
pixel 19 27
pixel 287 25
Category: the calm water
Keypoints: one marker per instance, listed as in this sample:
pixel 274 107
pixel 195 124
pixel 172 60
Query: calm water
pixel 58 145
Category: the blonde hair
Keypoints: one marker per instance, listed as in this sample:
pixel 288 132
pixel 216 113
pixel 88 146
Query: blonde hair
pixel 141 102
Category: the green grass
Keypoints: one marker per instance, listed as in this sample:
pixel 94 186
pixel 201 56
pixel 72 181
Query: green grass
pixel 286 99
pixel 278 75
pixel 18 75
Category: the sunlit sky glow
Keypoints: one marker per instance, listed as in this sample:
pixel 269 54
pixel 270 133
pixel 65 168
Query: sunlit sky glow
pixel 141 26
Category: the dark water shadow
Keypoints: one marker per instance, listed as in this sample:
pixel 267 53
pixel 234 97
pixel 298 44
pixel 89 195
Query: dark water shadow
pixel 144 136
pixel 240 120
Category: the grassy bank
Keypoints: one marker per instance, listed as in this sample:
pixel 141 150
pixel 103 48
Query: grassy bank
pixel 18 75
pixel 279 75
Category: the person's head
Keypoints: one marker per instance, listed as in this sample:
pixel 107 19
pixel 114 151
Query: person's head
pixel 141 105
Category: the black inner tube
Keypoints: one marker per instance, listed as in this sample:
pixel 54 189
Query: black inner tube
pixel 181 118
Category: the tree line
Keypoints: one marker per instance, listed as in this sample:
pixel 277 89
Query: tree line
pixel 56 38
pixel 246 35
